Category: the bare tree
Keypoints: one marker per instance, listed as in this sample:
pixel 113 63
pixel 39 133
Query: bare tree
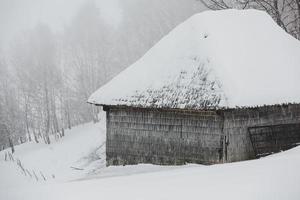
pixel 89 53
pixel 11 122
pixel 46 77
pixel 38 77
pixel 286 13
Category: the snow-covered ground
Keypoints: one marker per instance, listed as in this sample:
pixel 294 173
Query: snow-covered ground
pixel 273 177
pixel 64 159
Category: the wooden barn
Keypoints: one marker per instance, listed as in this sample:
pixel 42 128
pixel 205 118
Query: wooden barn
pixel 179 136
pixel 185 102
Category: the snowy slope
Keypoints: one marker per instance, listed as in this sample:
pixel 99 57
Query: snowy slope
pixel 64 159
pixel 216 58
pixel 80 154
pixel 270 178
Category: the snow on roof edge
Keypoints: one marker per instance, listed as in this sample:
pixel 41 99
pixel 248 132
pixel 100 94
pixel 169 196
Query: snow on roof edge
pixel 94 99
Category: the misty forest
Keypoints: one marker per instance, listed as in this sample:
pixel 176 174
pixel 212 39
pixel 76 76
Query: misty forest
pixel 48 75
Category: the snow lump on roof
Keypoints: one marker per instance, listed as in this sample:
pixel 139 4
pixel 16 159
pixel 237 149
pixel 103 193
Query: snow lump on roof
pixel 224 58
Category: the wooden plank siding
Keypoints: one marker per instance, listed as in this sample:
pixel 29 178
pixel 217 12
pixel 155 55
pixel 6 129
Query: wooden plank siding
pixel 237 122
pixel 169 137
pixel 175 136
pixel 274 138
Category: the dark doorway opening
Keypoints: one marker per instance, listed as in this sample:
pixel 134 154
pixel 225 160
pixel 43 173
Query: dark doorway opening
pixel 274 138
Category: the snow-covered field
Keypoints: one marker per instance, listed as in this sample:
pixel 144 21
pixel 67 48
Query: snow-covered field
pixel 61 160
pixel 273 177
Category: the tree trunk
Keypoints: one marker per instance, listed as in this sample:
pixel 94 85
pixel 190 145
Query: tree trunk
pixel 11 144
pixel 68 116
pixel 298 8
pixel 62 132
pixel 26 118
pixel 47 140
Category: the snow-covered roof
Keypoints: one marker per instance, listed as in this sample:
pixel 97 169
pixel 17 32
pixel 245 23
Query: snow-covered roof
pixel 224 58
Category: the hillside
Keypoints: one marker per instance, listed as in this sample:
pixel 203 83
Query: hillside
pixel 62 160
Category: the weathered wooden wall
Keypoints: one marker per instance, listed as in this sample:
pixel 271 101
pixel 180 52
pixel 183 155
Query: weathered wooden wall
pixel 179 136
pixel 168 137
pixel 270 139
pixel 237 121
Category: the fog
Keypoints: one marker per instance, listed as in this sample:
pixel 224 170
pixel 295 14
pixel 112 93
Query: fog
pixel 55 54
pixel 16 15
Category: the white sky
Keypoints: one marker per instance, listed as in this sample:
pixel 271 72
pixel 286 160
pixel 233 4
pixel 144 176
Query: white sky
pixel 16 15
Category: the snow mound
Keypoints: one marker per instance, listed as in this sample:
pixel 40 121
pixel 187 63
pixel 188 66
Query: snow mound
pixel 224 58
pixel 68 158
pixel 274 177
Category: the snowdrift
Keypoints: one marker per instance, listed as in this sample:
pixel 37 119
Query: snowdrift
pixel 67 158
pixel 273 177
pixel 222 58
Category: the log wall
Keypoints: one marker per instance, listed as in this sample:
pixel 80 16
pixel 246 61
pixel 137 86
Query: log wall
pixel 169 137
pixel 237 121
